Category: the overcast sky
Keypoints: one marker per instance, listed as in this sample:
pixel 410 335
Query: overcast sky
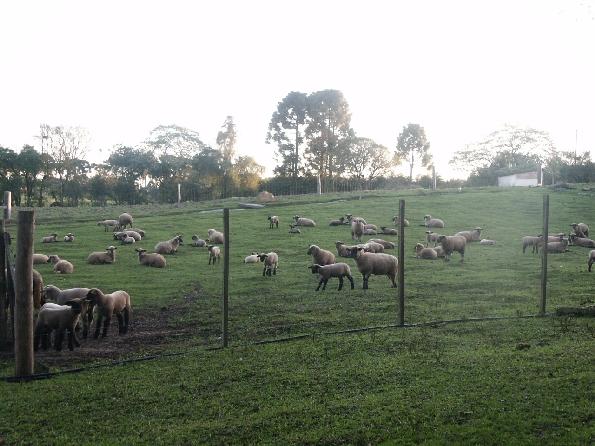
pixel 461 69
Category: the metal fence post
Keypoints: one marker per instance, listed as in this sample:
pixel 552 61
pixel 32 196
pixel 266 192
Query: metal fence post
pixel 546 214
pixel 226 277
pixel 401 263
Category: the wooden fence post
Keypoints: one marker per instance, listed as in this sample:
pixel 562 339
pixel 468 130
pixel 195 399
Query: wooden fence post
pixel 401 280
pixel 4 332
pixel 226 277
pixel 23 331
pixel 546 214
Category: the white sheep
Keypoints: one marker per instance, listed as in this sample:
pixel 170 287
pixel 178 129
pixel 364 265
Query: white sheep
pixel 591 259
pixel 124 220
pixel 487 242
pixel 533 242
pixel 396 220
pixel 471 236
pixel 387 245
pixel 375 264
pixel 103 258
pixel 59 318
pixel 369 231
pixel 432 237
pixel 451 243
pixel 127 240
pixel 273 221
pixel 39 258
pixel 343 249
pixel 350 218
pixel 338 270
pixel 214 254
pixel 580 229
pixel 252 258
pixel 37 289
pixel 425 253
pixel 558 247
pixel 271 263
pixel 169 246
pixel 52 238
pixel 61 266
pixel 215 236
pixel 581 241
pixel 430 222
pixel 106 305
pixel 357 229
pixel 302 221
pixel 198 242
pixel 388 231
pixel 139 232
pixel 370 226
pixel 339 222
pixel 129 233
pixel 61 297
pixel 108 224
pixel 371 246
pixel 321 256
pixel 150 259
pixel 69 237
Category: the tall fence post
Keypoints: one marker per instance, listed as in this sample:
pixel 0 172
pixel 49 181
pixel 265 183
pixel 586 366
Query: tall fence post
pixel 401 263
pixel 546 215
pixel 4 332
pixel 226 277
pixel 23 331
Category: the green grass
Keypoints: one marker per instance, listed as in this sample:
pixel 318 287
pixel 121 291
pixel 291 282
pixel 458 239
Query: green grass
pixel 452 384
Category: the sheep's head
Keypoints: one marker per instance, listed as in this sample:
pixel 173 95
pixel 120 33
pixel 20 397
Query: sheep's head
pixel 77 305
pixel 269 217
pixel 262 257
pixel 111 248
pixel 418 247
pixel 574 225
pixel 140 250
pixel 441 239
pixel 179 237
pixel 210 232
pixel 53 259
pixel 311 249
pixel 296 217
pixel 93 295
pixel 315 268
pixel 194 237
pixel 427 217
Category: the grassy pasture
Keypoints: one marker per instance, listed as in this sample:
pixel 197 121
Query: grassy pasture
pixel 455 383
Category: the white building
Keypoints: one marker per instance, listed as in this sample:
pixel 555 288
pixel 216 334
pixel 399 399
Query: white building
pixel 519 179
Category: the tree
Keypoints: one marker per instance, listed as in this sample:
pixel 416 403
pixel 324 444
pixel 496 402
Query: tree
pixel 412 145
pixel 29 165
pixel 131 163
pixel 174 140
pixel 367 159
pixel 247 173
pixel 285 129
pixel 226 140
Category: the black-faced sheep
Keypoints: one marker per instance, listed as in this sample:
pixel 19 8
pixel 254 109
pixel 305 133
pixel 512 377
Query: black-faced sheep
pixel 150 259
pixel 108 224
pixel 271 263
pixel 430 222
pixel 375 264
pixel 303 221
pixel 106 305
pixel 580 230
pixel 52 238
pixel 39 258
pixel 214 253
pixel 321 256
pixel 273 221
pixel 59 318
pixel 581 241
pixel 68 238
pixel 357 229
pixel 61 266
pixel 125 220
pixel 338 270
pixel 451 243
pixel 103 258
pixel 591 259
pixel 198 242
pixel 215 236
pixel 61 297
pixel 425 253
pixel 169 246
pixel 252 258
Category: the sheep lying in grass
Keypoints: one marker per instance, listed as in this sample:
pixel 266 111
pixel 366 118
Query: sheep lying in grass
pixel 321 256
pixel 106 305
pixel 120 235
pixel 252 258
pixel 39 258
pixel 375 264
pixel 293 229
pixel 108 224
pixel 338 270
pixel 430 222
pixel 273 221
pixel 59 318
pixel 369 231
pixel 371 246
pixel 471 236
pixel 396 221
pixel 61 266
pixel 214 253
pixel 68 238
pixel 339 222
pixel 52 238
pixel 169 246
pixel 558 247
pixel 357 229
pixel 124 220
pixel 425 253
pixel 580 230
pixel 452 243
pixel 487 242
pixel 215 236
pixel 150 259
pixel 271 263
pixel 303 221
pixel 387 245
pixel 388 231
pixel 103 258
pixel 591 259
pixel 198 242
pixel 61 297
pixel 139 232
pixel 581 241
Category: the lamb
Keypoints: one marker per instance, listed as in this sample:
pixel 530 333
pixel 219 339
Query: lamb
pixel 580 229
pixel 52 238
pixel 343 249
pixel 124 220
pixel 169 246
pixel 338 270
pixel 350 219
pixel 129 233
pixel 106 305
pixel 369 231
pixel 108 224
pixel 470 236
pixel 378 264
pixel 37 289
pixel 432 237
pixel 430 222
pixel 425 253
pixel 580 241
pixel 558 247
pixel 103 258
pixel 388 231
pixel 139 232
pixel 198 242
pixel 321 256
pixel 252 258
pixel 487 242
pixel 127 240
pixel 293 229
pixel 61 297
pixel 387 245
pixel 215 236
pixel 303 221
pixel 39 258
pixel 452 243
pixel 60 318
pixel 370 226
pixel 271 263
pixel 396 221
pixel 61 266
pixel 338 222
pixel 532 241
pixel 69 237
pixel 591 259
pixel 273 221
pixel 372 247
pixel 214 253
pixel 150 259
pixel 357 229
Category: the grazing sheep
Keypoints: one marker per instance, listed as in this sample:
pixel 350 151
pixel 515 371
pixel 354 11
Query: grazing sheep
pixel 338 270
pixel 169 246
pixel 52 238
pixel 69 237
pixel 61 266
pixel 580 241
pixel 60 318
pixel 215 236
pixel 271 263
pixel 452 243
pixel 357 229
pixel 375 264
pixel 125 220
pixel 532 241
pixel 252 258
pixel 485 241
pixel 150 259
pixel 396 221
pixel 39 258
pixel 303 221
pixel 591 259
pixel 339 222
pixel 471 236
pixel 388 231
pixel 61 297
pixel 432 237
pixel 273 221
pixel 425 253
pixel 321 256
pixel 37 289
pixel 106 305
pixel 430 222
pixel 293 229
pixel 387 245
pixel 214 253
pixel 108 224
pixel 198 242
pixel 580 230
pixel 103 258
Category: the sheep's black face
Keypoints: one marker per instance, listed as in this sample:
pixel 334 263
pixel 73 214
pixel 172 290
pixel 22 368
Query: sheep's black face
pixel 76 306
pixel 352 252
pixel 262 257
pixel 315 269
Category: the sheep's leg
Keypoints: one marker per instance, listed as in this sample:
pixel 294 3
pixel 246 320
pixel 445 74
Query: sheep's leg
pixel 462 256
pixel 126 319
pixel 106 323
pixel 340 284
pixel 98 325
pixel 275 270
pixel 352 283
pixel 37 338
pixel 71 340
pixel 320 283
pixel 120 323
pixel 365 279
pixel 277 223
pixel 392 279
pixel 324 282
pixel 264 271
pixel 591 261
pixel 58 339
